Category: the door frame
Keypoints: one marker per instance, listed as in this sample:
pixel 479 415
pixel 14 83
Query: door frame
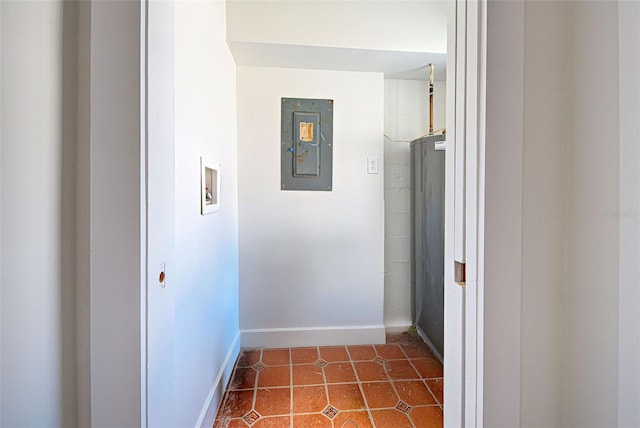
pixel 464 208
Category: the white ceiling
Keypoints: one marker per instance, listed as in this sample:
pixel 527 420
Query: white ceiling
pixel 394 64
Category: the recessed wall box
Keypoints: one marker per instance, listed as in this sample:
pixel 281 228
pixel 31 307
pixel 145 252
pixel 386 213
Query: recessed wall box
pixel 209 186
pixel 306 150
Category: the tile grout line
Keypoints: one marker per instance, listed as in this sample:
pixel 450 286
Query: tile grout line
pixel 434 395
pixel 393 384
pixel 326 385
pixel 424 380
pixel 255 390
pixel 355 371
pixel 291 387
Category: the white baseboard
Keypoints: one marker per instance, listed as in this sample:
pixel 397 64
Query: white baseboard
pixel 313 336
pixel 211 404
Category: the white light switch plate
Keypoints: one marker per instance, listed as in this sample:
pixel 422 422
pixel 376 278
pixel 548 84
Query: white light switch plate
pixel 372 165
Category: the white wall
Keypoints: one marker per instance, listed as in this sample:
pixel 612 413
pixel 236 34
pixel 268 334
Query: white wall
pixel 37 164
pixel 500 197
pixel 591 177
pixel 310 260
pixel 629 292
pixel 543 222
pixel 406 117
pixel 418 26
pixel 552 332
pixel 406 108
pixel 83 221
pixel 115 215
pixel 58 210
pixel 205 276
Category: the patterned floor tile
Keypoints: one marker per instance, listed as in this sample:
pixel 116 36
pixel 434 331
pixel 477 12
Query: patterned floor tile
pixel 390 419
pixel 273 422
pixel 352 420
pixel 251 417
pixel 414 392
pixel 237 404
pixel 244 378
pixel 315 420
pixel 346 396
pixel 369 371
pixel 380 395
pixel 307 374
pixel 334 353
pixel 428 368
pixel 362 386
pixel 339 373
pixel 273 401
pixel 248 358
pixel 330 412
pixel 276 357
pixel 390 352
pixel 304 355
pixel 427 417
pixel 309 399
pixel 401 369
pixel 274 376
pixel 362 353
pixel 436 387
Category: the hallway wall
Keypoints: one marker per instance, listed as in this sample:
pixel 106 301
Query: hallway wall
pixel 205 275
pixel 629 292
pixel 37 368
pixel 311 262
pixel 552 308
pixel 543 208
pixel 592 221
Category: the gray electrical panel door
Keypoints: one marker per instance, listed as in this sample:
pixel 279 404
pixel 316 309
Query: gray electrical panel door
pixel 306 149
pixel 427 227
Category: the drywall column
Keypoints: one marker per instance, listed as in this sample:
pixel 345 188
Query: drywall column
pixel 592 203
pixel 629 292
pixel 500 261
pixel 33 146
pixel 116 212
pixel 83 222
pixel 543 224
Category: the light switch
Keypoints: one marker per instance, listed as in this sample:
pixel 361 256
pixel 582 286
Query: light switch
pixel 372 165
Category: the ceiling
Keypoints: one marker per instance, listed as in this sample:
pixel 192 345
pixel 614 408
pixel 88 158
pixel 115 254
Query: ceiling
pixel 394 64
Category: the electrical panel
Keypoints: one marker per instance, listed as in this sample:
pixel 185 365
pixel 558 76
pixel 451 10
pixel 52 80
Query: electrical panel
pixel 306 144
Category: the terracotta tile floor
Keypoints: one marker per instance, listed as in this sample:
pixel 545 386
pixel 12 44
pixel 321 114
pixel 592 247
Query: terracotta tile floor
pixel 384 386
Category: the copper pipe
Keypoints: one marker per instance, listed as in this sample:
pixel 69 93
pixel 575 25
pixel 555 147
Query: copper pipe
pixel 431 69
